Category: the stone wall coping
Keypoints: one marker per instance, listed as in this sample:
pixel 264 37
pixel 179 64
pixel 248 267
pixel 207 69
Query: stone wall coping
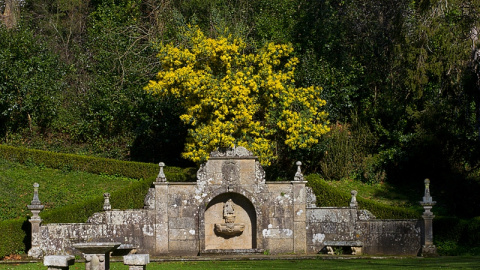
pixel 333 207
pixel 387 220
pixel 285 182
pixel 232 157
pixel 182 183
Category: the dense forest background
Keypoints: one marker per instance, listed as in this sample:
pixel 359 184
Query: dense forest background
pixel 401 79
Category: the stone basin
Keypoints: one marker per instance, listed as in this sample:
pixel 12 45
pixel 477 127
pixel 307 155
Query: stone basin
pixel 229 229
pixel 97 247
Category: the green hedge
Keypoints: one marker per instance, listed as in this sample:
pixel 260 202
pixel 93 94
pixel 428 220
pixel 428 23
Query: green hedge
pixel 13 236
pixel 328 196
pixel 137 170
pixel 453 236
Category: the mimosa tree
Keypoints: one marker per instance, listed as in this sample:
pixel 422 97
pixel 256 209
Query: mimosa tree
pixel 234 95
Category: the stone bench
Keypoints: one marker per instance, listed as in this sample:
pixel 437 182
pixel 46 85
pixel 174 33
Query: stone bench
pixel 58 262
pixel 136 261
pixel 355 246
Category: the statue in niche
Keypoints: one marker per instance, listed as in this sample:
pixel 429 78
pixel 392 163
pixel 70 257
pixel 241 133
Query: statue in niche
pixel 228 212
pixel 229 228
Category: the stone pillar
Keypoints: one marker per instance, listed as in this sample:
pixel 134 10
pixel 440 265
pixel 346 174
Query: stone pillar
pixel 35 206
pixel 428 248
pixel 136 261
pixel 299 212
pixel 58 262
pixel 161 212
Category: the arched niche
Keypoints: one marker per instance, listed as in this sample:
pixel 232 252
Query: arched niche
pixel 245 216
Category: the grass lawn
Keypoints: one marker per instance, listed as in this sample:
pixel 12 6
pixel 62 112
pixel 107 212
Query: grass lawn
pixel 57 188
pixel 320 263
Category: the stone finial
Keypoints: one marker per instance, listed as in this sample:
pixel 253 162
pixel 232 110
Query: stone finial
pixel 161 175
pixel 35 206
pixel 36 200
pixel 427 198
pixel 353 202
pixel 106 202
pixel 298 174
pixel 428 201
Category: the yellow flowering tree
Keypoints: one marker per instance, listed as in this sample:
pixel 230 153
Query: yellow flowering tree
pixel 236 96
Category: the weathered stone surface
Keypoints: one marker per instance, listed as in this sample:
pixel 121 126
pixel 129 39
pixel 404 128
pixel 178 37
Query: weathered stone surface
pixel 136 259
pixel 58 260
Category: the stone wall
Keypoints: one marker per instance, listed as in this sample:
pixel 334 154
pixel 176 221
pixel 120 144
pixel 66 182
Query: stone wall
pixel 391 237
pixel 232 209
pixel 347 224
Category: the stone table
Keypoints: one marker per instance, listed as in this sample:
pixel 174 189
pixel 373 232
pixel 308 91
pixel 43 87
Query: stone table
pixel 97 254
pixel 58 262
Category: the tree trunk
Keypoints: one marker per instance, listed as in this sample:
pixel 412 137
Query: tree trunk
pixel 11 13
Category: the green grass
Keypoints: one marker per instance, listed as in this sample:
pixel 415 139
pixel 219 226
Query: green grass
pixel 382 192
pixel 57 188
pixel 320 263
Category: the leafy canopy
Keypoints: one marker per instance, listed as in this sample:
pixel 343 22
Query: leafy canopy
pixel 235 95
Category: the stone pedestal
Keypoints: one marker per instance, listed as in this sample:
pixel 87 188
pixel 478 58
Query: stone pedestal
pixel 136 261
pixel 58 262
pixel 97 254
pixel 35 206
pixel 299 211
pixel 428 248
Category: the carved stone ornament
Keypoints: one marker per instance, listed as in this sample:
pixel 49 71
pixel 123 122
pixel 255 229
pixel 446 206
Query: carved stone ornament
pixel 298 174
pixel 365 215
pixel 230 172
pixel 106 202
pixel 149 202
pixel 239 151
pixel 259 172
pixel 201 173
pixel 161 175
pixel 311 197
pixel 229 228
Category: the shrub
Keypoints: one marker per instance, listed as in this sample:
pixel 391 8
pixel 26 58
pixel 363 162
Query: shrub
pixel 454 236
pixel 14 236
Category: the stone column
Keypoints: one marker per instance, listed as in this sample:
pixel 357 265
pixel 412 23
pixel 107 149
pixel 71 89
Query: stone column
pixel 299 212
pixel 161 212
pixel 35 206
pixel 428 248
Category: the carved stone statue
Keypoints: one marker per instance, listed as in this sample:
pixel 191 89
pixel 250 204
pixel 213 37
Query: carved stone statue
pixel 229 228
pixel 228 212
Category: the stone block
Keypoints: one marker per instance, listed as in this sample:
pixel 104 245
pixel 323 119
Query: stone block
pixel 58 262
pixel 136 261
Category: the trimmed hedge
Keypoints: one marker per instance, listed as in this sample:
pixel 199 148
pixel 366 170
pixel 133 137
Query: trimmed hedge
pixel 328 196
pixel 453 236
pixel 13 238
pixel 137 170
